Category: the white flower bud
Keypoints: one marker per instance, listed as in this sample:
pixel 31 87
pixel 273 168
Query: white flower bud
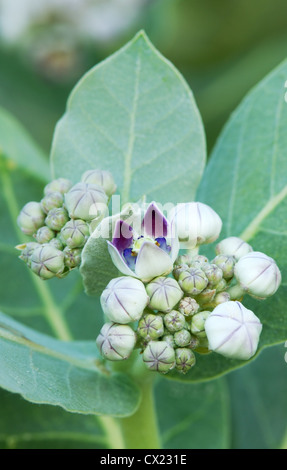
pixel 258 274
pixel 164 293
pixel 116 342
pixel 31 218
pixel 159 356
pixel 124 299
pixel 233 331
pixel 233 246
pixel 196 223
pixel 102 178
pixel 86 201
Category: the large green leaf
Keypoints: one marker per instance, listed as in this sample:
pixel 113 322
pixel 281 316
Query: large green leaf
pixel 67 374
pixel 245 182
pixel 133 114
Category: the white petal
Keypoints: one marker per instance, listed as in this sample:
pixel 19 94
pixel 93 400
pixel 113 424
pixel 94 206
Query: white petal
pixel 118 261
pixel 151 262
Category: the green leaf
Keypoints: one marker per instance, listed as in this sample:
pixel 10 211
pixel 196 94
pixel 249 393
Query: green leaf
pixel 19 149
pixel 245 182
pixel 67 374
pixel 133 114
pixel 193 416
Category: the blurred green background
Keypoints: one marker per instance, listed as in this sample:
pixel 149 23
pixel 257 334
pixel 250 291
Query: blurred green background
pixel 223 48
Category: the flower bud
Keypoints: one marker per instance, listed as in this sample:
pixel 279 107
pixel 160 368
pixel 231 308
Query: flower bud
pixel 213 273
pixel 206 296
pixel 233 246
pixel 27 251
pixel 75 233
pixel 31 218
pixel 124 299
pixel 182 338
pixel 185 359
pixel 61 185
pixel 196 223
pixel 221 297
pixel 198 261
pixel 174 321
pixel 159 356
pixel 52 201
pixel 44 234
pixel 178 269
pixel 56 243
pixel 258 274
pixel 116 342
pixel 86 201
pixel 193 281
pixel 57 218
pixel 226 264
pixel 73 257
pixel 47 261
pixel 198 321
pixel 164 294
pixel 102 178
pixel 150 327
pixel 233 331
pixel 188 306
pixel 221 286
pixel 169 339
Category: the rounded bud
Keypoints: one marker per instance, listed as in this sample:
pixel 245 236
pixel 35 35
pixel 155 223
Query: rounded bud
pixel 116 342
pixel 47 261
pixel 206 296
pixel 151 327
pixel 75 233
pixel 57 218
pixel 193 281
pixel 196 223
pixel 258 274
pixel 52 201
pixel 124 299
pixel 86 201
pixel 182 338
pixel 199 261
pixel 44 234
pixel 233 246
pixel 174 321
pixel 56 243
pixel 221 286
pixel 159 356
pixel 27 251
pixel 31 218
pixel 73 257
pixel 164 294
pixel 169 339
pixel 226 264
pixel 198 321
pixel 185 359
pixel 60 185
pixel 188 306
pixel 233 331
pixel 178 269
pixel 213 273
pixel 221 297
pixel 102 178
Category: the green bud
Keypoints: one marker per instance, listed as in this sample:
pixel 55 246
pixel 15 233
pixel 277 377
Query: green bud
pixel 198 261
pixel 102 178
pixel 159 356
pixel 221 286
pixel 56 243
pixel 27 251
pixel 182 338
pixel 52 201
pixel 169 339
pixel 86 201
pixel 73 257
pixel 57 218
pixel 47 261
pixel 184 259
pixel 221 297
pixel 185 359
pixel 179 269
pixel 116 342
pixel 226 264
pixel 44 234
pixel 188 306
pixel 193 281
pixel 213 273
pixel 174 321
pixel 31 218
pixel 197 326
pixel 194 342
pixel 61 185
pixel 75 233
pixel 164 294
pixel 151 327
pixel 206 296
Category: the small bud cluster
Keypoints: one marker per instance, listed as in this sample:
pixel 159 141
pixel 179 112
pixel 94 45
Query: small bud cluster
pixel 61 222
pixel 196 309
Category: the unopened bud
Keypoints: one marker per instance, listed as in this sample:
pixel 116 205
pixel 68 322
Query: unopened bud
pixel 44 234
pixel 198 321
pixel 174 321
pixel 151 327
pixel 233 246
pixel 47 261
pixel 57 218
pixel 61 185
pixel 226 264
pixel 56 243
pixel 206 296
pixel 193 281
pixel 159 356
pixel 124 299
pixel 188 306
pixel 116 342
pixel 213 273
pixel 102 178
pixel 169 339
pixel 233 331
pixel 73 257
pixel 182 338
pixel 27 251
pixel 86 201
pixel 31 218
pixel 75 233
pixel 164 294
pixel 178 269
pixel 221 297
pixel 185 359
pixel 52 201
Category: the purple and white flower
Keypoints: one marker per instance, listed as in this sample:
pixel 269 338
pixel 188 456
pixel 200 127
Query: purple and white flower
pixel 147 252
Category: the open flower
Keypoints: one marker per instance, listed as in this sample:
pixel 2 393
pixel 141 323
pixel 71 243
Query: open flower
pixel 147 254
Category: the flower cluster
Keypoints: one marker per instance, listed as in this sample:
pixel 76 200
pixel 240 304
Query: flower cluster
pixel 171 306
pixel 61 222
